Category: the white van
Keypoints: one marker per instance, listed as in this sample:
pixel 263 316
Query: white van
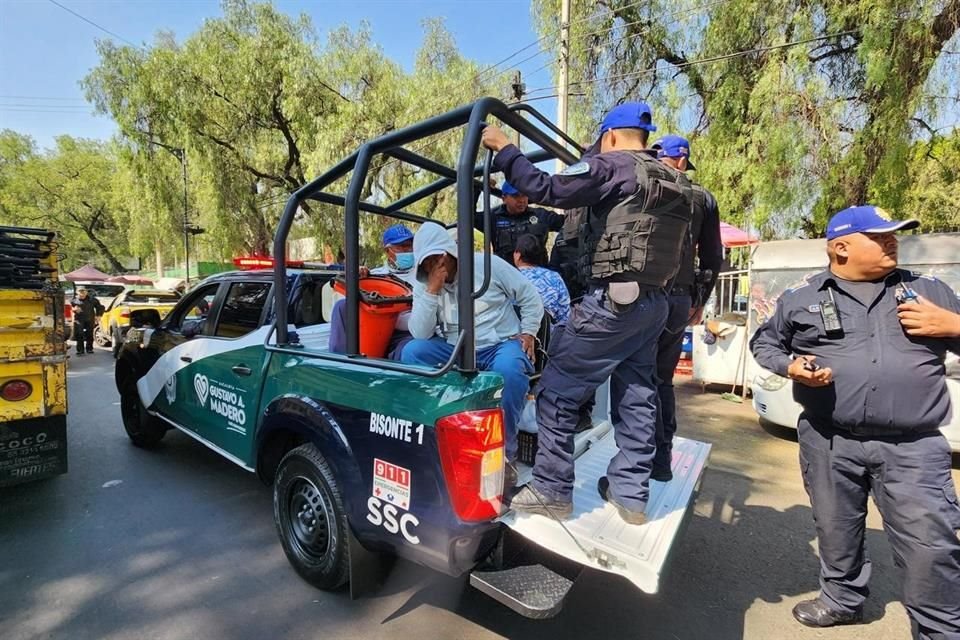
pixel 778 266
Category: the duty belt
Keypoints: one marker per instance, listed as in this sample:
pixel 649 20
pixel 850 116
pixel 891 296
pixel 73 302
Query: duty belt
pixel 684 290
pixel 884 432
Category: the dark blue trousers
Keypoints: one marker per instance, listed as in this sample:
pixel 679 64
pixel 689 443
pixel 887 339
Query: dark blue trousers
pixel 600 342
pixel 669 348
pixel 909 478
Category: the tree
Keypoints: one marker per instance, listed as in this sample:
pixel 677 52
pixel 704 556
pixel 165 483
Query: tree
pixel 796 109
pixel 68 190
pixel 260 105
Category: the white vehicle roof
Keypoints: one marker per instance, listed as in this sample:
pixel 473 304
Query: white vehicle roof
pixel 921 249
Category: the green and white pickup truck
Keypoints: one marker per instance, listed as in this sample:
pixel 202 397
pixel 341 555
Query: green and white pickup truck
pixel 369 456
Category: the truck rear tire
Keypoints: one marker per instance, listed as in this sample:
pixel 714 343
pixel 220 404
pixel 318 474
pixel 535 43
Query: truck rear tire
pixel 144 430
pixel 310 517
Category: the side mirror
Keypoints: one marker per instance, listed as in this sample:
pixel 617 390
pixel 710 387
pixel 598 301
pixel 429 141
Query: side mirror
pixel 145 318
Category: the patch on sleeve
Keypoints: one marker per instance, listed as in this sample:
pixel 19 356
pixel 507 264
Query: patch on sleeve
pixel 576 170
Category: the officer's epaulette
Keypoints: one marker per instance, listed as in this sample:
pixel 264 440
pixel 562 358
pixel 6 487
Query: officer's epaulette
pixel 798 287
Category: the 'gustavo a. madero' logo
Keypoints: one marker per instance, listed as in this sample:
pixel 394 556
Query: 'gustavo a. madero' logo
pixel 202 386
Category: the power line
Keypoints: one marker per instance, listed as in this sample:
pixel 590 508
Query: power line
pixel 681 12
pixel 91 22
pixel 727 56
pixel 677 14
pixel 45 106
pixel 5 97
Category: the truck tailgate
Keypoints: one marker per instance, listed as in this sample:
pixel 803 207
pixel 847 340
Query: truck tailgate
pixel 595 535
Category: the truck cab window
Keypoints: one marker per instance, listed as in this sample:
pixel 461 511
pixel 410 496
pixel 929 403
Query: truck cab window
pixel 190 317
pixel 242 309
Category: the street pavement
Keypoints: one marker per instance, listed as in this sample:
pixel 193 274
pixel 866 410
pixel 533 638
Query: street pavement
pixel 180 543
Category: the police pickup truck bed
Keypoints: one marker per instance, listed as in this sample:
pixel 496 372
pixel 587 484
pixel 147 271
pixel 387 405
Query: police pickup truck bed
pixel 368 456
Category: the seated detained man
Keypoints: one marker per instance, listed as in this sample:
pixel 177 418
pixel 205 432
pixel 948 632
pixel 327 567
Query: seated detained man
pixel 505 342
pixel 398 247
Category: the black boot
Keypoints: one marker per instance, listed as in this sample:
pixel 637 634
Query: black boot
pixel 815 613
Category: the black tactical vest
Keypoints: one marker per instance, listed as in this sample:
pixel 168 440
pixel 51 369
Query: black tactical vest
pixel 686 276
pixel 565 257
pixel 505 237
pixel 641 238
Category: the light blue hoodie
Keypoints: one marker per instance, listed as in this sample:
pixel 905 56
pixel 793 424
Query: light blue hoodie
pixel 495 318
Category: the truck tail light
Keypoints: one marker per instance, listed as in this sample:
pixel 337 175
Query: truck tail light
pixel 125 314
pixel 15 390
pixel 67 311
pixel 471 454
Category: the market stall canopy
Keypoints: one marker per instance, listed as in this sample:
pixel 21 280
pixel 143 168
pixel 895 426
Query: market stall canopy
pixel 88 273
pixel 730 236
pixel 131 279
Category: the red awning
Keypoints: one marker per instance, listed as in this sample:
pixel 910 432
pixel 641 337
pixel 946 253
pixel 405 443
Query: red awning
pixel 730 236
pixel 87 272
pixel 131 279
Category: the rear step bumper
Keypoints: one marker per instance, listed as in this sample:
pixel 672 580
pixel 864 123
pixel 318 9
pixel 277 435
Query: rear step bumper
pixel 533 591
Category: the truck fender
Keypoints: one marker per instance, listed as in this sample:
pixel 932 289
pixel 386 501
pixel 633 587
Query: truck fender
pixel 298 419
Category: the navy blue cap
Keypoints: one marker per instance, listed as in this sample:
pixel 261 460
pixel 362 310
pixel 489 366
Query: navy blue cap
pixel 673 147
pixel 865 219
pixel 397 234
pixel 628 116
pixel 508 189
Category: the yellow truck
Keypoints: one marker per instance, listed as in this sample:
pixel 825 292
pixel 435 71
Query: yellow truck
pixel 33 358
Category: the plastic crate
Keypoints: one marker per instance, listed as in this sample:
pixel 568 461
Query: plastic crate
pixel 526 447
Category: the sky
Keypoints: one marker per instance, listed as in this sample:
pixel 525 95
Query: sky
pixel 45 51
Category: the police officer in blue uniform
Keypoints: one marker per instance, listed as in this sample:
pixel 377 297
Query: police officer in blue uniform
pixel 639 213
pixel 515 218
pixel 699 266
pixel 873 390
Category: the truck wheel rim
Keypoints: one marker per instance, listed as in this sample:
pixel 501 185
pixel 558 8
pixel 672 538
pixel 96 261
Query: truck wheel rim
pixel 310 518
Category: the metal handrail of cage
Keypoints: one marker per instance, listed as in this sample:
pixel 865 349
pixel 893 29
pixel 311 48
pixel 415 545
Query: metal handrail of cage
pixel 473 116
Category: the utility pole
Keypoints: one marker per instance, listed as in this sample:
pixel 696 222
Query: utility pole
pixel 563 79
pixel 518 90
pixel 186 219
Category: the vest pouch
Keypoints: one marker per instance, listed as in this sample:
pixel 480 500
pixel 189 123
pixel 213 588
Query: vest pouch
pixel 621 251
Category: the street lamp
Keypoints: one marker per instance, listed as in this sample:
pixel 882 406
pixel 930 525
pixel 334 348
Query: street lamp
pixel 188 229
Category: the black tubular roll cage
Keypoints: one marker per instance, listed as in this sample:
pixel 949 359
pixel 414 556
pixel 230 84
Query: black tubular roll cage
pixel 464 176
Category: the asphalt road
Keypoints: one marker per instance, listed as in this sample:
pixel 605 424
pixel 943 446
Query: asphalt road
pixel 179 543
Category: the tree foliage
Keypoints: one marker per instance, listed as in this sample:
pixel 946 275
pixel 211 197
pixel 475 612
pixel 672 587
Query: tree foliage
pixel 796 109
pixel 69 189
pixel 261 106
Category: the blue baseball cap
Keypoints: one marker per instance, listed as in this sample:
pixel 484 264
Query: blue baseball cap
pixel 508 189
pixel 397 234
pixel 628 115
pixel 673 147
pixel 865 219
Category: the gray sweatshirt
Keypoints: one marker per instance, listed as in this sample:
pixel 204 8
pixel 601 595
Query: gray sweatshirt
pixel 495 317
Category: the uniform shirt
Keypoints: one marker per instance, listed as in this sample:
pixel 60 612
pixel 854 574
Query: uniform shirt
pixel 539 222
pixel 552 290
pixel 590 182
pixel 882 378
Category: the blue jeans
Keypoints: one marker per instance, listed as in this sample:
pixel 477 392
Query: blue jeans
pixel 602 340
pixel 506 358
